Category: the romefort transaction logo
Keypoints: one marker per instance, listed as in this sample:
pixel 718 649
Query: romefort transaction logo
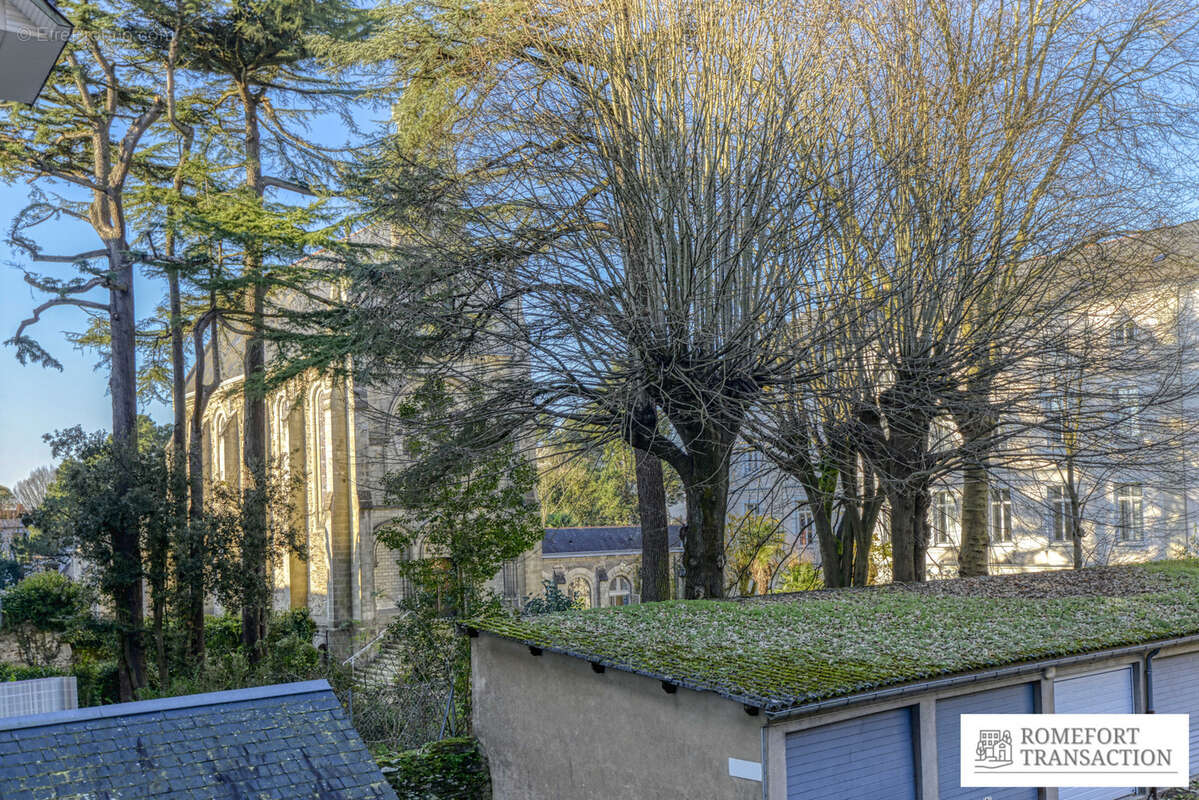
pixel 994 749
pixel 1075 750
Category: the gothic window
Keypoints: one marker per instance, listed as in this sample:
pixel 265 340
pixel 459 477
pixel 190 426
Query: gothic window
pixel 218 448
pixel 322 429
pixel 580 591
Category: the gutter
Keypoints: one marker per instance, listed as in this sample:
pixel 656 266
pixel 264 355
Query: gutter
pixel 1148 650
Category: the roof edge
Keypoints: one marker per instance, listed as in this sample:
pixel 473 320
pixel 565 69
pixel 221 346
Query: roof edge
pixel 165 704
pixel 775 712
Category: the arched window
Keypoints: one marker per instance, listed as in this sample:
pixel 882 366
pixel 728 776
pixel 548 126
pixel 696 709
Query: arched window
pixel 321 473
pixel 580 591
pixel 217 458
pixel 620 591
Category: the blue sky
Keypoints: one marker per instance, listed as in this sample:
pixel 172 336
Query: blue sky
pixel 36 400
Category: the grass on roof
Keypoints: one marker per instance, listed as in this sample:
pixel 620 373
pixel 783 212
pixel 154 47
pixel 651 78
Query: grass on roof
pixel 801 648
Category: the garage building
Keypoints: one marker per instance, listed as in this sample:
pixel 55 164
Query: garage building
pixel 833 694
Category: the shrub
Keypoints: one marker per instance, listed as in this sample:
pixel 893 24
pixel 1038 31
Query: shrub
pixel 552 600
pixel 222 635
pixel 39 610
pixel 10 572
pixel 451 769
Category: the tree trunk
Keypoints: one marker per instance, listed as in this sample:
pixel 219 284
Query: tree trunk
pixel 903 535
pixel 655 537
pixel 192 568
pixel 178 466
pixel 126 544
pixel 830 551
pixel 254 455
pixel 909 533
pixel 976 423
pixel 922 532
pixel 973 552
pixel 1075 514
pixel 707 489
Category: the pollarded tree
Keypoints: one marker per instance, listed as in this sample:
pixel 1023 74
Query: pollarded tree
pixel 978 190
pixel 620 208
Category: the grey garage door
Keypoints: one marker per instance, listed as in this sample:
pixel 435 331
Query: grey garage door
pixel 1176 691
pixel 1099 693
pixel 1008 700
pixel 866 758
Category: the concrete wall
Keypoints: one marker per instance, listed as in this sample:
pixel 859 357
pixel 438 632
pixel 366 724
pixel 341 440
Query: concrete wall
pixel 551 727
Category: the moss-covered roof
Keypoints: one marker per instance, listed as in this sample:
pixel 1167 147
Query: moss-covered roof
pixel 785 651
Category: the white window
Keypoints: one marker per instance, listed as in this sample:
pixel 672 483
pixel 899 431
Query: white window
pixel 1124 333
pixel 1000 516
pixel 945 517
pixel 620 591
pixel 753 502
pixel 1128 411
pixel 1061 519
pixel 1131 507
pixel 752 463
pixel 1056 422
pixel 805 525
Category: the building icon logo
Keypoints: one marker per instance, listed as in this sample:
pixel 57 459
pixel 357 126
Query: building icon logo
pixel 994 749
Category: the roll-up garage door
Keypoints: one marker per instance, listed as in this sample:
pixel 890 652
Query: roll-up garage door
pixel 1099 693
pixel 866 758
pixel 1176 691
pixel 1008 700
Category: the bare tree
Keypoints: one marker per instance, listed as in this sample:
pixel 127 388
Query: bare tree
pixel 635 178
pixel 32 490
pixel 976 189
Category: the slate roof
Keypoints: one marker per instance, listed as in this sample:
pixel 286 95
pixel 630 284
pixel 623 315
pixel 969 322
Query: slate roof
pixel 600 539
pixel 285 742
pixel 783 652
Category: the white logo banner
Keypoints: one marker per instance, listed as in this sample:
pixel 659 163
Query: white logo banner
pixel 1075 750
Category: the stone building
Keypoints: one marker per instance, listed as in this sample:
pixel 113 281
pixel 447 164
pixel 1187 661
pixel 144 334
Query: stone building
pixel 598 566
pixel 1131 487
pixel 331 441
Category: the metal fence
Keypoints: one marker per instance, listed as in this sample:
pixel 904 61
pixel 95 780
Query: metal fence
pixel 396 704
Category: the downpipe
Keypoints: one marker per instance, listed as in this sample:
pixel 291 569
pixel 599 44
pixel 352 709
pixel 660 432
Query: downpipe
pixel 1149 709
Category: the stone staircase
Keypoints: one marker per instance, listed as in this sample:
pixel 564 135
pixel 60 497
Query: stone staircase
pixel 382 666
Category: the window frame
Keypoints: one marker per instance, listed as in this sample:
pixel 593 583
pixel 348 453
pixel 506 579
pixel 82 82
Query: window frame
pixel 999 507
pixel 626 593
pixel 1134 520
pixel 944 523
pixel 1059 511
